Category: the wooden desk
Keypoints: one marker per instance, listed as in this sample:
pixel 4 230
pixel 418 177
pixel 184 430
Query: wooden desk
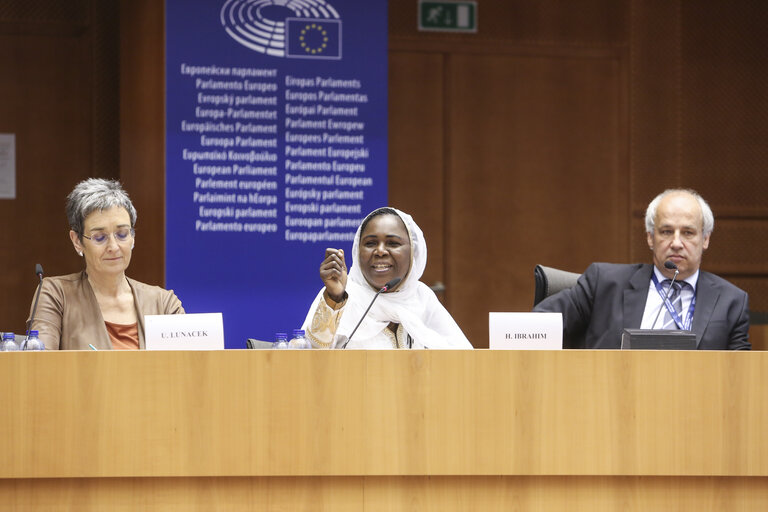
pixel 384 430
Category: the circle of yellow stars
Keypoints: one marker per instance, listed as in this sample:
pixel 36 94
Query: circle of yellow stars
pixel 315 28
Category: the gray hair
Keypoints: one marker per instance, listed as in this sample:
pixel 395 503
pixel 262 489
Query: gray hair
pixel 708 224
pixel 96 194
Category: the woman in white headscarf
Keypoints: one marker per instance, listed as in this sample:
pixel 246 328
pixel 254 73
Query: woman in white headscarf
pixel 388 245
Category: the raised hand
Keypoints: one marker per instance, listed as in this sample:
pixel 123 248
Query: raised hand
pixel 333 272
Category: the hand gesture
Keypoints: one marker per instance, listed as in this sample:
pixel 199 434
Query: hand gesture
pixel 333 272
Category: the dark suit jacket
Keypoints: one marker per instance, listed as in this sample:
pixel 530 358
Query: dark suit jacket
pixel 610 297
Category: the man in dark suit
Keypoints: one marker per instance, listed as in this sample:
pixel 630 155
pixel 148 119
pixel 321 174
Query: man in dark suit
pixel 611 297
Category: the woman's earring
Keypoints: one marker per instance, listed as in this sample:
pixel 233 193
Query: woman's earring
pixel 80 253
pixel 133 245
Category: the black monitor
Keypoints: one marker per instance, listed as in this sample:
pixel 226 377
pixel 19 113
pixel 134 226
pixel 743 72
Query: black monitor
pixel 657 339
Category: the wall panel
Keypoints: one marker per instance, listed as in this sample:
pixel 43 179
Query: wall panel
pixel 699 120
pixel 53 61
pixel 724 108
pixel 536 175
pixel 690 113
pixel 550 23
pixel 654 118
pixel 416 150
pixel 142 131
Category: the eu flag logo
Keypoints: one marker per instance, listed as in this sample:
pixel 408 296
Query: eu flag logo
pixel 313 38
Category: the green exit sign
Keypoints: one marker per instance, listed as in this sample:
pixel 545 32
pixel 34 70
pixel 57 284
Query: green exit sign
pixel 448 16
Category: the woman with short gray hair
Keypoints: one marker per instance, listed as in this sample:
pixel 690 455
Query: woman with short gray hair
pixel 99 307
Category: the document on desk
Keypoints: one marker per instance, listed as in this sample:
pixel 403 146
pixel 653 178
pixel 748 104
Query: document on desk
pixel 194 331
pixel 525 331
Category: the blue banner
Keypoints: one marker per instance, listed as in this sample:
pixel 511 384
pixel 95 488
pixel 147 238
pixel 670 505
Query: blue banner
pixel 276 148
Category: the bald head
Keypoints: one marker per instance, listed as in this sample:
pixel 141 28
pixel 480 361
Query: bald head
pixel 678 224
pixel 708 219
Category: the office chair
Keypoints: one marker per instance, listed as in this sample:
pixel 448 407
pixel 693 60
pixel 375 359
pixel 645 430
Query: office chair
pixel 549 281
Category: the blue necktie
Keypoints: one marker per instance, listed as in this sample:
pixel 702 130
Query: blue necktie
pixel 676 298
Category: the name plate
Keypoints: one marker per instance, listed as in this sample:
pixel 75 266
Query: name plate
pixel 525 331
pixel 196 331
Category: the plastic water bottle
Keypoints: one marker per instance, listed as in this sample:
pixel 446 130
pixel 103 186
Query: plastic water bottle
pixel 299 341
pixel 9 343
pixel 281 341
pixel 33 342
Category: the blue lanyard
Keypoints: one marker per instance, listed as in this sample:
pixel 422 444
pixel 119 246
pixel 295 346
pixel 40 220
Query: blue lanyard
pixel 685 326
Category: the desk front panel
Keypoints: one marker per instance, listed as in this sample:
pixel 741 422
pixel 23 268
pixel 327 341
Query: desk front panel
pixel 383 413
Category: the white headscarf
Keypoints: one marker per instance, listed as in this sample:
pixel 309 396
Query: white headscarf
pixel 412 303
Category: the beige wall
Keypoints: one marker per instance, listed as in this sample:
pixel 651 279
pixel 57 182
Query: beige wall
pixel 537 140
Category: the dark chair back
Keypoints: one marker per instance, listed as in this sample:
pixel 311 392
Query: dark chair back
pixel 548 281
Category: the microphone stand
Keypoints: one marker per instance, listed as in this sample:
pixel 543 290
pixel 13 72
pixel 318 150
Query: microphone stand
pixel 39 272
pixel 383 289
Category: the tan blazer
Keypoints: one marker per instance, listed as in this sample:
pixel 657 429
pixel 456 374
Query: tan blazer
pixel 69 318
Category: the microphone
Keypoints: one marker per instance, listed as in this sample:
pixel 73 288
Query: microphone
pixel 384 288
pixel 39 273
pixel 671 266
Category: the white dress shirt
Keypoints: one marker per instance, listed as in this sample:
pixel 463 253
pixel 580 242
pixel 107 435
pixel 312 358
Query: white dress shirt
pixel 654 301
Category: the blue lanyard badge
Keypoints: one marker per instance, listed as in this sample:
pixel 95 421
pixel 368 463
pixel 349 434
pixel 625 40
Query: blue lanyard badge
pixel 685 326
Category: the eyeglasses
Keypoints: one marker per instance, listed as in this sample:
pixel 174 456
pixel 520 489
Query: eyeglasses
pixel 101 237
